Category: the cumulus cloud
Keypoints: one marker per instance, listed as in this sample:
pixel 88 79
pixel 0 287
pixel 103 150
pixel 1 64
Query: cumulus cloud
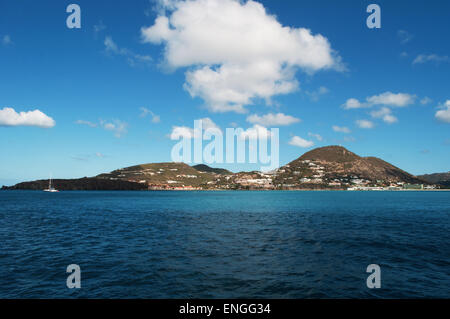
pixel 353 103
pixel 252 133
pixel 424 58
pixel 256 132
pixel 207 124
pixel 392 99
pixel 366 124
pixel 385 114
pixel 443 115
pixel 181 132
pixel 300 142
pixel 386 98
pixel 235 51
pixel 132 58
pixel 271 119
pixel 187 132
pixel 381 112
pixel 341 129
pixel 9 117
pixel 389 118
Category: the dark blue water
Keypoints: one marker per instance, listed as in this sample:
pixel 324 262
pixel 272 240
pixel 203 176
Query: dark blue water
pixel 224 244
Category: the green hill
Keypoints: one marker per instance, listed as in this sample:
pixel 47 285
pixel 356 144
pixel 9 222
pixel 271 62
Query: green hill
pixel 208 169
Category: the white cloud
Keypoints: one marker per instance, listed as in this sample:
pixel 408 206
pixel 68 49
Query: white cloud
pixel 256 132
pixel 386 98
pixel 341 129
pixel 118 127
pixel 132 58
pixel 162 6
pixel 187 132
pixel 366 124
pixel 426 100
pixel 271 119
pixel 207 124
pixel 181 132
pixel 87 123
pixel 6 40
pixel 423 58
pixel 384 113
pixel 145 112
pixel 300 142
pixel 317 136
pixel 404 36
pixel 235 51
pixel 392 99
pixel 381 112
pixel 444 114
pixel 9 117
pixel 389 118
pixel 353 104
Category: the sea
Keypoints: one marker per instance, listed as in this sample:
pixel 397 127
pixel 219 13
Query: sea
pixel 225 244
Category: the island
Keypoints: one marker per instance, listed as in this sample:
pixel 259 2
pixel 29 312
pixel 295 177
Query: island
pixel 324 168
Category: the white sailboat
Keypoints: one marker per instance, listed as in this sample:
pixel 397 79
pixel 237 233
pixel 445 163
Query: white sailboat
pixel 50 188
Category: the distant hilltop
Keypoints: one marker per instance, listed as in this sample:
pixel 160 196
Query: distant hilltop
pixel 437 178
pixel 336 162
pixel 330 167
pixel 206 169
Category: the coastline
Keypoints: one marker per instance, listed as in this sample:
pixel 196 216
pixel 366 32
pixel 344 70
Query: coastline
pixel 236 190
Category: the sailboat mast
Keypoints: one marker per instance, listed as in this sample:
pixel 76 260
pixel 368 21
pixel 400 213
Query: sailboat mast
pixel 50 185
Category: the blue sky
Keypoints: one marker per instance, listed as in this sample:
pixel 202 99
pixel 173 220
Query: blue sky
pixel 93 82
